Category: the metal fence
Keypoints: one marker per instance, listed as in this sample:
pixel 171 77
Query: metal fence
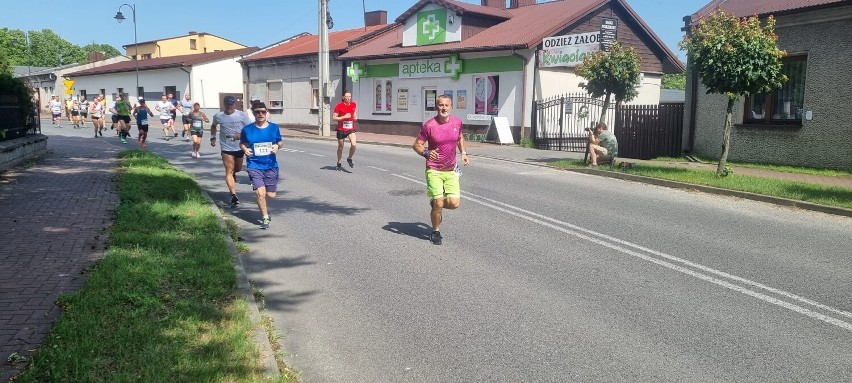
pixel 559 122
pixel 643 131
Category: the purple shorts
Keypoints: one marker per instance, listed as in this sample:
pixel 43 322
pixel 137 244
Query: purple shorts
pixel 265 177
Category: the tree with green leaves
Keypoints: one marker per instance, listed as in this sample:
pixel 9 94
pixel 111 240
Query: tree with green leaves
pixel 45 48
pixel 674 81
pixel 611 73
pixel 735 57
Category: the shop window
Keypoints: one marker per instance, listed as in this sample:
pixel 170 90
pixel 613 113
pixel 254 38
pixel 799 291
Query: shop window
pixel 486 94
pixel 785 105
pixel 275 94
pixel 383 96
pixel 315 100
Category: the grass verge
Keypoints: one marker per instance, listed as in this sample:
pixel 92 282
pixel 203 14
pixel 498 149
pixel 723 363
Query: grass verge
pixel 778 168
pixel 800 191
pixel 163 304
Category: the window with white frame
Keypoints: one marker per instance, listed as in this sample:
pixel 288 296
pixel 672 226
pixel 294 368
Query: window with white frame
pixel 275 94
pixel 383 95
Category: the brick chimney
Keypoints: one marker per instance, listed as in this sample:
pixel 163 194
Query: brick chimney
pixel 520 3
pixel 95 56
pixel 494 3
pixel 374 18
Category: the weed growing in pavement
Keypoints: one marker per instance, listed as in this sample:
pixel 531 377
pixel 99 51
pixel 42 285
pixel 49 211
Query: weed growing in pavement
pixel 162 305
pixel 795 190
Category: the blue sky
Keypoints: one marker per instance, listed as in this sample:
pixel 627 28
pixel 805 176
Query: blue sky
pixel 252 23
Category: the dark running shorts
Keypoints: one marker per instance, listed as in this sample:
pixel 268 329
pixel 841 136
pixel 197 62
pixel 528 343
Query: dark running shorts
pixel 84 114
pixel 342 134
pixel 234 153
pixel 143 128
pixel 126 119
pixel 115 118
pixel 75 112
pixel 199 133
pixel 266 177
pixel 187 119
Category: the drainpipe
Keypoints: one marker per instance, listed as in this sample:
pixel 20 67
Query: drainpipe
pixel 523 95
pixel 189 82
pixel 693 94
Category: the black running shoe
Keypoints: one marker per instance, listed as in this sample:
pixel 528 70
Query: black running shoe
pixel 339 167
pixel 175 134
pixel 349 161
pixel 182 133
pixel 435 237
pixel 264 224
pixel 234 200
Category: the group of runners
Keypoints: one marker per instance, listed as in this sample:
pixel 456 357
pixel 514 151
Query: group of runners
pixel 255 141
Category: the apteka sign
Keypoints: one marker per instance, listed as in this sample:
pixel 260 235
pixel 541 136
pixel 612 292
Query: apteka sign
pixel 568 50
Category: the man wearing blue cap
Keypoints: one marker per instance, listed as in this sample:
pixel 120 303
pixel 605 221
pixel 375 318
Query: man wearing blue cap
pixel 232 122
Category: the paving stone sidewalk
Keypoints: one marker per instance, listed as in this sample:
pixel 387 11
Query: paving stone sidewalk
pixel 55 213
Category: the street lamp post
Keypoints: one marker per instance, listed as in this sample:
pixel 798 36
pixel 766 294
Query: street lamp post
pixel 120 17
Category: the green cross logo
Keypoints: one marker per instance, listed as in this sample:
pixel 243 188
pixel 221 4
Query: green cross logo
pixel 432 27
pixel 453 66
pixel 356 71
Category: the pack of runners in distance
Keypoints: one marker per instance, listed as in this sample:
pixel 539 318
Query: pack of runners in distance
pixel 257 141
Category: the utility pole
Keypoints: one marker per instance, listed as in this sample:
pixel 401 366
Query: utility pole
pixel 324 129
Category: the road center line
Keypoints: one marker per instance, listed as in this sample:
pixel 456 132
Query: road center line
pixel 603 238
pixel 379 169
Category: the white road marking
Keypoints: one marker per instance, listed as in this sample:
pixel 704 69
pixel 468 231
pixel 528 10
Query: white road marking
pixel 379 169
pixel 615 244
pixel 317 155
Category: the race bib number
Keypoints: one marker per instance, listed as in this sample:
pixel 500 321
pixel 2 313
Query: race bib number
pixel 347 125
pixel 196 124
pixel 143 122
pixel 262 149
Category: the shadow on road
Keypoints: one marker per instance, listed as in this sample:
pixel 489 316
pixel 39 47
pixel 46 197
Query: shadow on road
pixel 417 230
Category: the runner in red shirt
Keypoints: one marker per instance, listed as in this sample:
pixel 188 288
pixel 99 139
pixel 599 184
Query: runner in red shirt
pixel 345 115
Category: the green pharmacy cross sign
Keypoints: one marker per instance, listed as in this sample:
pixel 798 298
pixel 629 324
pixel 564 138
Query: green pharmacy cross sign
pixel 356 71
pixel 453 66
pixel 432 27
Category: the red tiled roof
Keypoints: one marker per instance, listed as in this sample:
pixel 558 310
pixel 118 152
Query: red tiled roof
pixel 309 44
pixel 524 30
pixel 163 62
pixel 457 7
pixel 743 8
pixel 526 27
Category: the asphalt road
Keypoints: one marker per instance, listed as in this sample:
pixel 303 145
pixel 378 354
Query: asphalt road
pixel 544 275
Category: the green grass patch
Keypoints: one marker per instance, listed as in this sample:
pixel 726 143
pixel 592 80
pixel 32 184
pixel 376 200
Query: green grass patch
pixel 778 168
pixel 795 190
pixel 163 304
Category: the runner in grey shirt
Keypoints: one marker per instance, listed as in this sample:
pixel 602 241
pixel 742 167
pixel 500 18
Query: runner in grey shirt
pixel 232 121
pixel 186 109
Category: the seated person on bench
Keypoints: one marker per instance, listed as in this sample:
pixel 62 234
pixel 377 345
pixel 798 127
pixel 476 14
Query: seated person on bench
pixel 603 146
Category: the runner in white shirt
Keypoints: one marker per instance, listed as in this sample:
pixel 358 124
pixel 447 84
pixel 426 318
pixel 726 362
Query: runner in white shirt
pixel 165 108
pixel 55 107
pixel 185 106
pixel 232 122
pixel 96 110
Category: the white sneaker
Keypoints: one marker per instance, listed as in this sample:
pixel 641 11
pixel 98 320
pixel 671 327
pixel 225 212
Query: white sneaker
pixel 193 155
pixel 197 154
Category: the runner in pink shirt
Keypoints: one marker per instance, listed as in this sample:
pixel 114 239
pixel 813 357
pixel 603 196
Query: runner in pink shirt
pixel 442 135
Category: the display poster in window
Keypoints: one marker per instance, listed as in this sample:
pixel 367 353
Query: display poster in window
pixel 388 96
pixel 485 95
pixel 430 99
pixel 449 93
pixel 402 100
pixel 379 96
pixel 461 99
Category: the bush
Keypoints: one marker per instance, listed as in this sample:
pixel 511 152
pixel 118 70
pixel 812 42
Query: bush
pixel 13 91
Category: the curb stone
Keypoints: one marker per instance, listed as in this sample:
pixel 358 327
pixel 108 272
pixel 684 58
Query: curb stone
pixel 267 353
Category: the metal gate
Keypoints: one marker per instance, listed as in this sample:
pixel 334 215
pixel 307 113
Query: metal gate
pixel 559 122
